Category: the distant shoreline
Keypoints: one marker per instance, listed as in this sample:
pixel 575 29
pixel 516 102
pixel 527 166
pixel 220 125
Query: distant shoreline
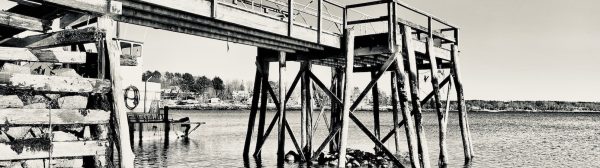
pixel 383 109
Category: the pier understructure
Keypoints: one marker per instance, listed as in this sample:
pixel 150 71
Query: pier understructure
pixel 319 32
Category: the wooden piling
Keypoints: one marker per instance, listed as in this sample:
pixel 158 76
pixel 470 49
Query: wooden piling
pixel 306 116
pixel 140 132
pixel 414 91
pixel 253 109
pixel 375 93
pixel 395 112
pixel 114 52
pixel 281 111
pixel 443 161
pixel 401 85
pixel 349 49
pixel 264 66
pixel 166 122
pixel 462 108
pixel 303 110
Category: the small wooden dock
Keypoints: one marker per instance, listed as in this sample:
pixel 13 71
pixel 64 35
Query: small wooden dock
pixel 137 120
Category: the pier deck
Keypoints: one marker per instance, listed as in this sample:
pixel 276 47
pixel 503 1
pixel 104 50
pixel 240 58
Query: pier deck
pixel 319 32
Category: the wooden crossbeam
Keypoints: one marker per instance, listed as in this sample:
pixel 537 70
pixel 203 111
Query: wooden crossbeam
pixel 59 116
pixel 293 137
pixel 335 130
pixel 54 83
pixel 323 87
pixel 76 149
pixel 375 140
pixel 57 39
pixel 36 55
pixel 23 22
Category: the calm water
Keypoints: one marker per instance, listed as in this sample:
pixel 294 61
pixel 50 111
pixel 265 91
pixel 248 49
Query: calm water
pixel 499 139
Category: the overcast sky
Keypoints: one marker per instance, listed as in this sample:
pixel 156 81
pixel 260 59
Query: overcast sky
pixel 510 49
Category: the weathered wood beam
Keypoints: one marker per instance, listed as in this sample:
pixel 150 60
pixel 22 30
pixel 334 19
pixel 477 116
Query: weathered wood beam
pixel 263 67
pixel 442 124
pixel 190 25
pixel 73 19
pixel 54 83
pixel 346 109
pixel 76 149
pixel 202 21
pixel 91 6
pixel 376 141
pixel 59 116
pixel 23 22
pixel 36 55
pixel 462 107
pixel 57 39
pixel 120 111
pixel 157 25
pixel 253 110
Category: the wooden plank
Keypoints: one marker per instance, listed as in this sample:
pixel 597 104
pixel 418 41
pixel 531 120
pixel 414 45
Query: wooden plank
pixel 263 66
pixel 120 111
pixel 74 149
pixel 57 39
pixel 36 55
pixel 59 116
pixel 93 6
pixel 23 22
pixel 253 110
pixel 54 83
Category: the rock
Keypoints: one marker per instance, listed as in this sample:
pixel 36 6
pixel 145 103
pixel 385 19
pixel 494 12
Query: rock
pixel 63 136
pixel 332 162
pixel 53 96
pixel 14 68
pixel 66 72
pixel 3 139
pixel 34 163
pixel 17 132
pixel 72 102
pixel 355 163
pixel 36 106
pixel 291 156
pixel 39 99
pixel 10 101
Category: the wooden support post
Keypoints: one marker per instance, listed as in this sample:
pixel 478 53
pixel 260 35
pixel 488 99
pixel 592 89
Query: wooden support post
pixel 334 115
pixel 349 49
pixel 443 161
pixel 401 85
pixel 140 131
pixel 253 109
pixel 303 108
pixel 462 109
pixel 319 21
pixel 114 52
pixel 375 92
pixel 264 66
pixel 166 122
pixel 408 48
pixel 290 17
pixel 309 110
pixel 395 113
pixel 281 111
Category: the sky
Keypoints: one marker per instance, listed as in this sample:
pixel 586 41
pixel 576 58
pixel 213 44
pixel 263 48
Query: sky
pixel 510 50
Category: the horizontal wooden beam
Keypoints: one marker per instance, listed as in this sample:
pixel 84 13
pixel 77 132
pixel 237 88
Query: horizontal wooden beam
pixel 88 6
pixel 36 55
pixel 217 31
pixel 206 21
pixel 14 117
pixel 367 4
pixel 39 150
pixel 371 20
pixel 54 83
pixel 157 25
pixel 57 39
pixel 23 22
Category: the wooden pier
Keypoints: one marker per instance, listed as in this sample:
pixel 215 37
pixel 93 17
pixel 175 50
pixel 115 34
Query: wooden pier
pixel 320 32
